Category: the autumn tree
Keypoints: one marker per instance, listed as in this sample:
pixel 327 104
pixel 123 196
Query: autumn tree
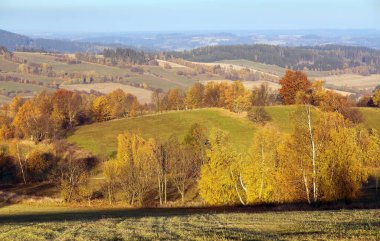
pixel 376 98
pixel 39 163
pixel 158 99
pixel 175 99
pixel 19 153
pixel 216 184
pixel 182 165
pixel 194 96
pixel 197 140
pixel 73 169
pixel 161 152
pixel 122 104
pixel 212 94
pixel 260 172
pixel 291 83
pixel 237 98
pixel 101 109
pixel 325 157
pixel 111 172
pixel 262 95
pixel 334 102
pixel 33 118
pixel 137 166
pixel 67 108
pixel 258 115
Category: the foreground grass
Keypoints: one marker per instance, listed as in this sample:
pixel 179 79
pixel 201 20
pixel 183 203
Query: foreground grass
pixel 186 224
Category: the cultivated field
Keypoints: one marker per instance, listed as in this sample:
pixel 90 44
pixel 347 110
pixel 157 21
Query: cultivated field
pixel 143 95
pixel 268 68
pixel 353 81
pixel 343 80
pixel 21 222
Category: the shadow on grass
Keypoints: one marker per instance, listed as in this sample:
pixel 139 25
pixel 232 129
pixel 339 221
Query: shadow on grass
pixel 97 214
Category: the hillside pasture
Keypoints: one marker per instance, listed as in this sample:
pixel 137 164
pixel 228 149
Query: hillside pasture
pixel 143 95
pixel 100 138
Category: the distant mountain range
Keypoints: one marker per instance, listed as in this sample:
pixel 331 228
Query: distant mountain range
pixel 178 41
pixel 13 41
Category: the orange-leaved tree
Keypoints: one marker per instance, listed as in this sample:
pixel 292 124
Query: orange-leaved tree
pixel 292 83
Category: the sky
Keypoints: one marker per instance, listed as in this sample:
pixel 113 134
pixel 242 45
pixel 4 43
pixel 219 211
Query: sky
pixel 186 15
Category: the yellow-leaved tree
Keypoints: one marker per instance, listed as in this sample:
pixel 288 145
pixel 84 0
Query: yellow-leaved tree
pixel 261 170
pixel 216 184
pixel 137 166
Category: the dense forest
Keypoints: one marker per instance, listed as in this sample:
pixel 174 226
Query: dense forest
pixel 322 58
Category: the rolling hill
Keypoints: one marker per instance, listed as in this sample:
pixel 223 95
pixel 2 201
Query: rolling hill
pixel 100 138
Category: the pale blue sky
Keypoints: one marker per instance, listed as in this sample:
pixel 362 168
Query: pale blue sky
pixel 186 15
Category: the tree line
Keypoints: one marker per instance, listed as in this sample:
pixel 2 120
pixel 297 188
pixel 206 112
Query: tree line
pixel 323 58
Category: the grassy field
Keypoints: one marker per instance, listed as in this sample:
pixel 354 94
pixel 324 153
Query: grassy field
pixel 19 222
pixel 100 138
pixel 371 117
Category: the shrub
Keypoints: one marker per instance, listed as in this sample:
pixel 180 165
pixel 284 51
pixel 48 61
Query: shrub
pixel 259 115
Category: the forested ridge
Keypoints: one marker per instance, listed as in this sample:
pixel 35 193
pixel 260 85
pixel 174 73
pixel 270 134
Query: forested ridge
pixel 320 58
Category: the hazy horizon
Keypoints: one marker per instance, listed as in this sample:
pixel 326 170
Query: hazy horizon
pixel 116 16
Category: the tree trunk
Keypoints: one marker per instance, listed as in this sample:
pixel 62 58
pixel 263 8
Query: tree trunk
pixel 262 173
pixel 70 193
pixel 237 189
pixel 315 191
pixel 159 189
pixel 306 187
pixel 20 163
pixel 165 188
pixel 110 193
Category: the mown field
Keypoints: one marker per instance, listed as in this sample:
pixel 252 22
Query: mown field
pixel 268 68
pixel 342 80
pixel 143 95
pixel 21 222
